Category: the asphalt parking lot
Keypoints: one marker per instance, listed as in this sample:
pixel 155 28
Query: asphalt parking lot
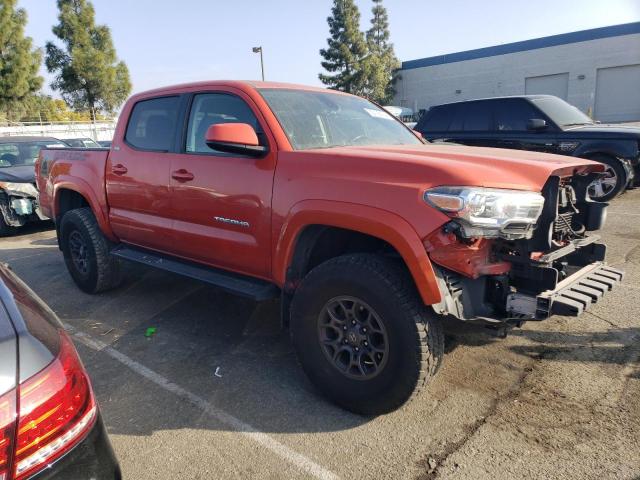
pixel 216 391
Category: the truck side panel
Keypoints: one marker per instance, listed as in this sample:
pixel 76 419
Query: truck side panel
pixel 78 170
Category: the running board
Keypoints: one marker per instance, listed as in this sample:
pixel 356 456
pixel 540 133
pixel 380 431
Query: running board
pixel 253 288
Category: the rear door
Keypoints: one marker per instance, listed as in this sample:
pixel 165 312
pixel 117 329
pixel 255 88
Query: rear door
pixel 221 202
pixel 138 171
pixel 472 124
pixel 468 123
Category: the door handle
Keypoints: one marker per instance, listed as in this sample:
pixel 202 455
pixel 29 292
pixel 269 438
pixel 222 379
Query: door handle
pixel 182 175
pixel 119 169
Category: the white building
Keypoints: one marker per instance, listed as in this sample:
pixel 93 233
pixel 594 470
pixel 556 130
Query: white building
pixel 596 70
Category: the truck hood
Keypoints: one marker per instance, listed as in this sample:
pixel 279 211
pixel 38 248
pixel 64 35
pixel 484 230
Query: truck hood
pixel 19 174
pixel 434 165
pixel 605 130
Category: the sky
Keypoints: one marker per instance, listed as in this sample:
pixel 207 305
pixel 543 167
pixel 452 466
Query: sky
pixel 166 42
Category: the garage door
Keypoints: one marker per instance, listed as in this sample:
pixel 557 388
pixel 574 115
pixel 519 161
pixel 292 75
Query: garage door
pixel 557 85
pixel 618 94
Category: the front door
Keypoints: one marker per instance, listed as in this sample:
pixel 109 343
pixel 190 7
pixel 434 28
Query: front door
pixel 221 202
pixel 511 117
pixel 137 175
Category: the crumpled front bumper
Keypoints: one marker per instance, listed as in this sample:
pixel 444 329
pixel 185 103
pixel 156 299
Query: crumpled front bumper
pixel 578 292
pixel 18 210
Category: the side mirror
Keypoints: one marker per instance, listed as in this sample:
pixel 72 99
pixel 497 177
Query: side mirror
pixel 238 138
pixel 536 124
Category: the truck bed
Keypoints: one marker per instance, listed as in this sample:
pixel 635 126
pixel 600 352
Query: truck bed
pixel 80 169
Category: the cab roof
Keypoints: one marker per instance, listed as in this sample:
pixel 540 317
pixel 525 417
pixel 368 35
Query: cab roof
pixel 239 84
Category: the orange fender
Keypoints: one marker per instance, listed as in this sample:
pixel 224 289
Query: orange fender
pixel 372 221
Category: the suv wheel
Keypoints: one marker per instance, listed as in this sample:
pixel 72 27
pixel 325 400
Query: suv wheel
pixel 363 335
pixel 613 182
pixel 86 252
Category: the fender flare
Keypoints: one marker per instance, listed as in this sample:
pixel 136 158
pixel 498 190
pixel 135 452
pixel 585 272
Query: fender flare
pixel 615 149
pixel 84 189
pixel 378 223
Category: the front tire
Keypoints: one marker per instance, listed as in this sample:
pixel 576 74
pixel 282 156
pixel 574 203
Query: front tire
pixel 363 335
pixel 612 184
pixel 6 230
pixel 86 252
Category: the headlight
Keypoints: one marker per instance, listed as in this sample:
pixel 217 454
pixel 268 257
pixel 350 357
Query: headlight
pixel 489 212
pixel 20 189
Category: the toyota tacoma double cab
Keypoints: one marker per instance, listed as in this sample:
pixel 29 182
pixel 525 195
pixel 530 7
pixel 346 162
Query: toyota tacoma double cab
pixel 367 234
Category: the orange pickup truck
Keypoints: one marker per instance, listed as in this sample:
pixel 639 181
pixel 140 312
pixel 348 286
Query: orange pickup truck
pixel 367 234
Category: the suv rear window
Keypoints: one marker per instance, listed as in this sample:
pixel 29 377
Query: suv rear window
pixel 152 125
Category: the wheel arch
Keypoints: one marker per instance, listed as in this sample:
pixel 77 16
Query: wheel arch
pixel 70 196
pixel 368 227
pixel 613 149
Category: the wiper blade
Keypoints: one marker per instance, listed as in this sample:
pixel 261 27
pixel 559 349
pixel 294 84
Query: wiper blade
pixel 577 123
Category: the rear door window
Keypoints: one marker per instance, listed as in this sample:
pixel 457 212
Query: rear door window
pixel 458 113
pixel 152 125
pixel 477 117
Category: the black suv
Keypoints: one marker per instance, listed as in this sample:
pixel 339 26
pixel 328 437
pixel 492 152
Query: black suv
pixel 542 123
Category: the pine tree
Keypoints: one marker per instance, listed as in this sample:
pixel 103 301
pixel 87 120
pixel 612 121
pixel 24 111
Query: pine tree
pixel 19 62
pixel 88 73
pixel 346 49
pixel 381 64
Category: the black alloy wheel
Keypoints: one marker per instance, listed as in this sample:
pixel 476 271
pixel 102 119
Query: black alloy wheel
pixel 353 337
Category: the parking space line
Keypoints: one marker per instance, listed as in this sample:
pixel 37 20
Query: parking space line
pixel 302 462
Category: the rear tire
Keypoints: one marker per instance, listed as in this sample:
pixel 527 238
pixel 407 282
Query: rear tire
pixel 86 252
pixel 363 335
pixel 605 190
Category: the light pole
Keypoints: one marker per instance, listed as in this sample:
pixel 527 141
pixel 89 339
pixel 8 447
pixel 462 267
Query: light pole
pixel 259 50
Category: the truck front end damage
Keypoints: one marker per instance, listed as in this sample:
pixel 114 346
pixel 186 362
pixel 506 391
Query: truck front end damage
pixel 539 258
pixel 19 203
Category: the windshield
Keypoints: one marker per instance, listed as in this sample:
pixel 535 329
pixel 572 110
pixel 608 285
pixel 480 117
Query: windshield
pixel 562 113
pixel 323 120
pixel 24 153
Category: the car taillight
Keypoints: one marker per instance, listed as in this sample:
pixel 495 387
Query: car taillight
pixel 7 431
pixel 57 408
